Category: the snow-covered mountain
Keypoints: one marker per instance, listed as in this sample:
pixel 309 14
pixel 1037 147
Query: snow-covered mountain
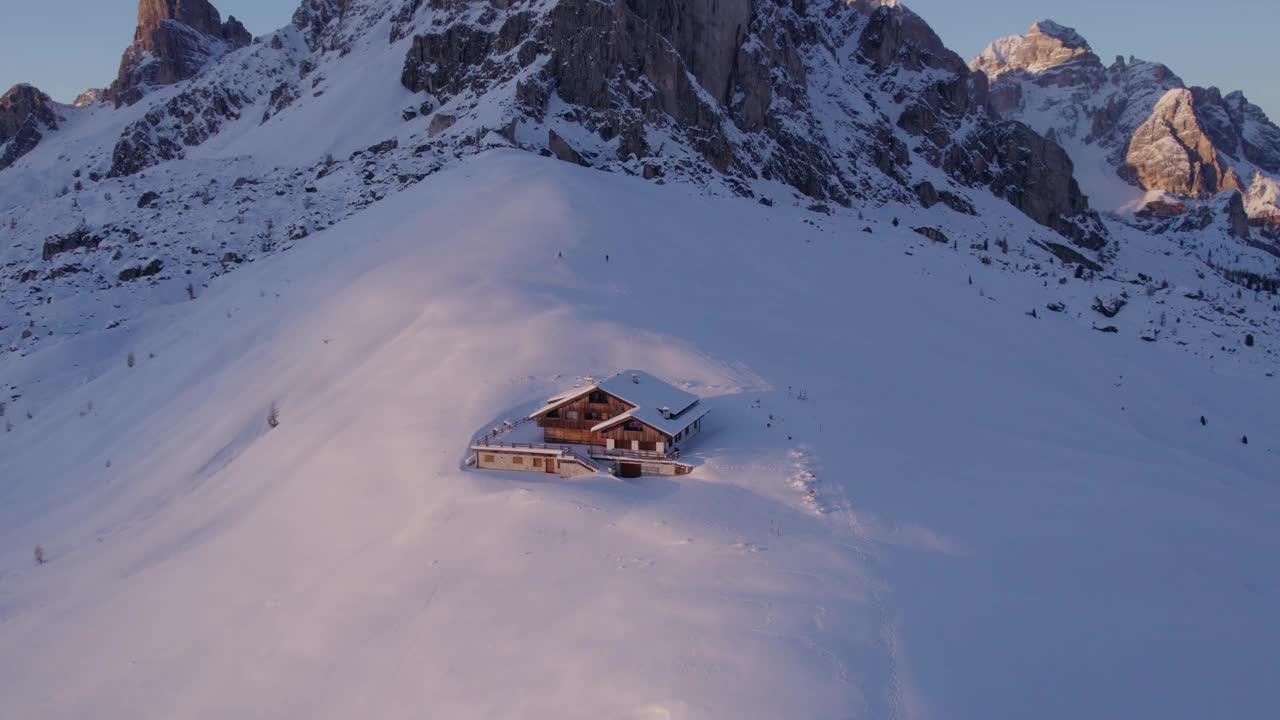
pixel 839 109
pixel 1135 120
pixel 975 449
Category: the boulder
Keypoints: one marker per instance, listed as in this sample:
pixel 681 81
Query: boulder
pixel 563 150
pixel 933 234
pixel 439 123
pixel 133 273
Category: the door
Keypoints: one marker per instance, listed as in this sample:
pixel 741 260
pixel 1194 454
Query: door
pixel 629 470
pixel 551 465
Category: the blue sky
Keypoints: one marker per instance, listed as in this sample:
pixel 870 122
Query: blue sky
pixel 65 46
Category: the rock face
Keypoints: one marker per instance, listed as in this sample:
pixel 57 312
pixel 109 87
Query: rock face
pixel 1172 151
pixel 198 113
pixel 174 40
pixel 25 114
pixel 1035 175
pixel 1158 134
pixel 752 89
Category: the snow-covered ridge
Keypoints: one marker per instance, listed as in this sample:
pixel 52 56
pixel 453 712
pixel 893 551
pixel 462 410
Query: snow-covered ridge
pixel 878 444
pixel 941 428
pixel 355 101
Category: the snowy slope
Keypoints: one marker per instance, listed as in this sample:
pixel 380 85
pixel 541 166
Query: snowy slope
pixel 1010 516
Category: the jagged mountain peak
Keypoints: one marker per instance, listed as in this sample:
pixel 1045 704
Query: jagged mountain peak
pixel 1045 47
pixel 174 41
pixel 1066 35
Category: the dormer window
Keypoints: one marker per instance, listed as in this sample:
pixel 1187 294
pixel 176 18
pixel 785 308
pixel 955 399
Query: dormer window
pixel 597 398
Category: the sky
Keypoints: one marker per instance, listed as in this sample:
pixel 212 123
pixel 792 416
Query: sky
pixel 1229 43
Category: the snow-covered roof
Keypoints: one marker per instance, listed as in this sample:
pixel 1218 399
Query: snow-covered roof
pixel 646 391
pixel 671 425
pixel 636 388
pixel 559 400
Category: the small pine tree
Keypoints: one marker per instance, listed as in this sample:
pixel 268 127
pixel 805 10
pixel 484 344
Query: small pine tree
pixel 191 292
pixel 39 555
pixel 273 417
pixel 268 236
pixel 895 222
pixel 1248 340
pixel 1203 421
pixel 1244 440
pixel 131 360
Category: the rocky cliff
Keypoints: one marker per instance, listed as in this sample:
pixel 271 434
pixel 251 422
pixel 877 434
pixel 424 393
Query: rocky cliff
pixel 844 102
pixel 855 111
pixel 1173 150
pixel 25 115
pixel 174 40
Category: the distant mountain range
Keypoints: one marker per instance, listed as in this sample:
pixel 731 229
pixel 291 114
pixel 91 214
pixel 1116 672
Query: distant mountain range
pixel 1180 144
pixel 837 108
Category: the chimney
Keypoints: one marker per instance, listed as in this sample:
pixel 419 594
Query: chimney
pixel 635 378
pixel 666 412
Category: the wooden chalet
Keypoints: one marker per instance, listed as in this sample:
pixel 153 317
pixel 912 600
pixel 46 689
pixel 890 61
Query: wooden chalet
pixel 630 412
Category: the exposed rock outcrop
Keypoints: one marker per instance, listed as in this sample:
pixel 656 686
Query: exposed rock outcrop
pixel 78 239
pixel 751 88
pixel 1034 174
pixel 174 40
pixel 198 113
pixel 25 115
pixel 1031 172
pixel 90 97
pixel 1172 151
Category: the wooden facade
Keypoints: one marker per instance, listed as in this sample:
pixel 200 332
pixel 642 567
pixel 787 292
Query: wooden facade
pixel 622 426
pixel 572 422
pixel 626 433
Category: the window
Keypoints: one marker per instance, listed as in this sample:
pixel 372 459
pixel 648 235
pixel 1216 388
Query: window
pixel 597 398
pixel 554 413
pixel 634 426
pixel 570 414
pixel 488 458
pixel 537 462
pixel 517 460
pixel 592 415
